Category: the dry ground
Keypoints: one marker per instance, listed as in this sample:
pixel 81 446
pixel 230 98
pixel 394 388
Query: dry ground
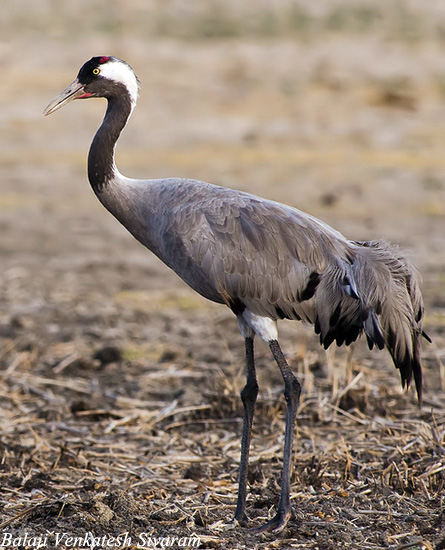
pixel 119 402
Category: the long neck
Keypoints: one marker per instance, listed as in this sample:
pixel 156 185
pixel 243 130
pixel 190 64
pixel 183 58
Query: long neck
pixel 101 167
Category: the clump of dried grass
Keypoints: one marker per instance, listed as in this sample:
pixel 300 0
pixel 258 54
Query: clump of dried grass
pixel 119 445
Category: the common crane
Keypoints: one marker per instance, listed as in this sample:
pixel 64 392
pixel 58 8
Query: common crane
pixel 266 261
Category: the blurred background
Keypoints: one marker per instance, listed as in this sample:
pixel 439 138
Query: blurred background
pixel 336 107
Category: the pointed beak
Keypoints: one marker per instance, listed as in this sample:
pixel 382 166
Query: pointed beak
pixel 74 91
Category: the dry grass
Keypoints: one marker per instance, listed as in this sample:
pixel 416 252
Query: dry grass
pixel 93 441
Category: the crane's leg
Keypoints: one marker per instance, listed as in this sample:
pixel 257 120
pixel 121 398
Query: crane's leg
pixel 248 396
pixel 292 390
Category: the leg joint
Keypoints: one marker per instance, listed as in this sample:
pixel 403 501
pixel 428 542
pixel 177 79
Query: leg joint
pixel 250 392
pixel 292 389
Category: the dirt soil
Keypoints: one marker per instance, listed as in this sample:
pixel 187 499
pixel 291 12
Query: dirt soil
pixel 119 404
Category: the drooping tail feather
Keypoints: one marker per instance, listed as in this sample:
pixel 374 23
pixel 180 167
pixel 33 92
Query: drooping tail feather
pixel 378 293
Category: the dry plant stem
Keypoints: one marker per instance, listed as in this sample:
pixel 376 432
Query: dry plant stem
pixel 292 391
pixel 248 395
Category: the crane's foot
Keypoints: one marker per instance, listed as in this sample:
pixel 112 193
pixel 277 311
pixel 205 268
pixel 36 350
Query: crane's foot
pixel 276 524
pixel 241 519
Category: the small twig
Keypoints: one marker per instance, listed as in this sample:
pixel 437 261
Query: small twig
pixel 22 514
pixel 348 415
pixel 351 384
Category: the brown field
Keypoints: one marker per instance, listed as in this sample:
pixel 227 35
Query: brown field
pixel 119 404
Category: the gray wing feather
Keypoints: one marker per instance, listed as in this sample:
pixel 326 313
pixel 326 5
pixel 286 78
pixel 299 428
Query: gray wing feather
pixel 250 249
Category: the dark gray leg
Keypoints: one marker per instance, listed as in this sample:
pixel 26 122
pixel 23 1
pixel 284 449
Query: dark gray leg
pixel 292 390
pixel 248 396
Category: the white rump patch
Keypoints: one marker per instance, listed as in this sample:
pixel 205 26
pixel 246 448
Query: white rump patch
pixel 265 327
pixel 119 71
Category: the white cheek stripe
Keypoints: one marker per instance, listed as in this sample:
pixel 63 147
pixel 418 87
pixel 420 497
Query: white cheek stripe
pixel 121 72
pixel 263 326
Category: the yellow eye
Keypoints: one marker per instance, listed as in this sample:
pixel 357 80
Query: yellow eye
pixel 96 71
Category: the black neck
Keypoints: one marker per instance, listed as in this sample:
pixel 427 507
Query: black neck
pixel 101 155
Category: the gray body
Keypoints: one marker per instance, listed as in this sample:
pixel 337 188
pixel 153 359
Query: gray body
pixel 259 255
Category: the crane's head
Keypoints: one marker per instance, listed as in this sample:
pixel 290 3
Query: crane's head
pixel 99 77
